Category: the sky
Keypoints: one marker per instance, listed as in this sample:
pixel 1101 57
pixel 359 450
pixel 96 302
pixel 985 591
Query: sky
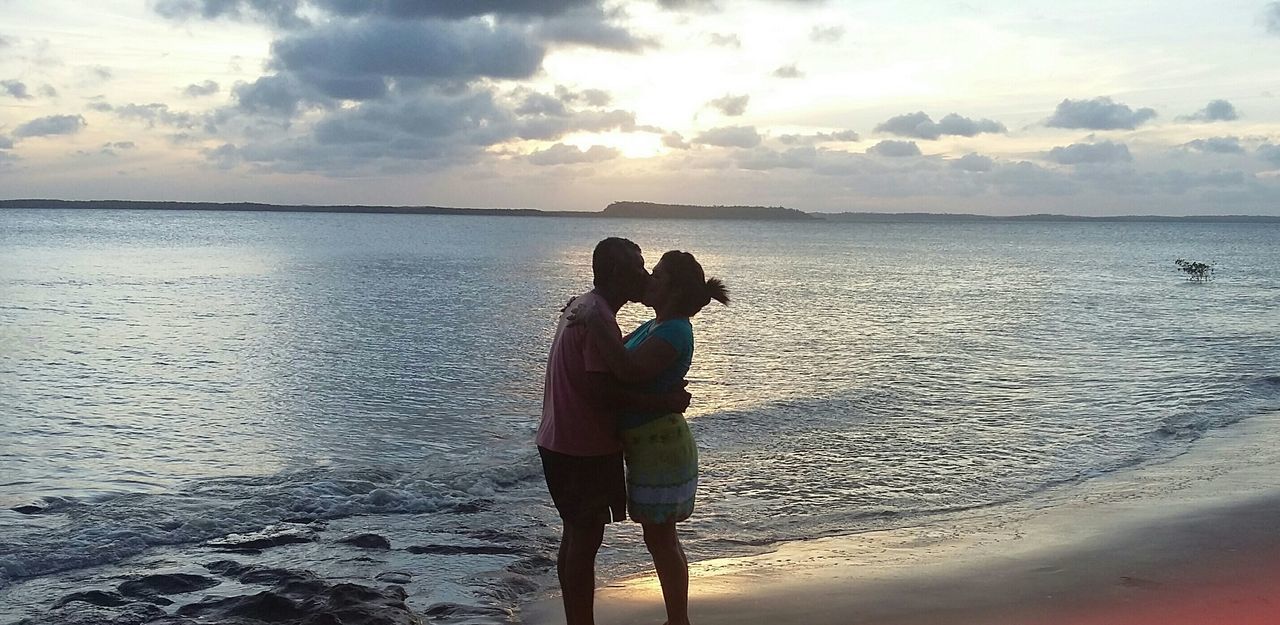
pixel 998 107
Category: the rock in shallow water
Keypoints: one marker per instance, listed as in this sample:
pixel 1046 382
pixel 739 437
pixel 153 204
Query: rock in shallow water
pixel 394 577
pixel 367 541
pixel 166 584
pixel 95 597
pixel 459 549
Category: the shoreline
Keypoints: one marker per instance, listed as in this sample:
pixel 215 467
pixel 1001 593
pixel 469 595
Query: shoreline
pixel 646 211
pixel 1190 540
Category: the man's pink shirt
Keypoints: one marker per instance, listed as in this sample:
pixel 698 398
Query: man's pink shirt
pixel 571 424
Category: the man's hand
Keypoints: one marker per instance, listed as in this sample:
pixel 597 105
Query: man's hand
pixel 678 400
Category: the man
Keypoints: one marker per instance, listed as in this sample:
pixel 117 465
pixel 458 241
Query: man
pixel 577 439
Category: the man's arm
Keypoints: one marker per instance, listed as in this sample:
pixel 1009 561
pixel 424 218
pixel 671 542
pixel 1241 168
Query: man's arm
pixel 609 394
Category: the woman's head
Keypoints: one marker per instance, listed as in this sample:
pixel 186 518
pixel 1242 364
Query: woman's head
pixel 680 288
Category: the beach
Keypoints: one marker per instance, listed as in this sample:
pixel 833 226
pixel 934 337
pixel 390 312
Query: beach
pixel 1193 540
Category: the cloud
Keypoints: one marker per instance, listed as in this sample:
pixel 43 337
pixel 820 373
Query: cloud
pixel 119 145
pixel 592 97
pixel 819 137
pixel 282 13
pixel 6 143
pixel 730 105
pixel 730 136
pixel 726 40
pixel 1098 114
pixel 355 60
pixel 1028 179
pixel 5 42
pixel 1272 18
pixel 1270 153
pixel 826 34
pixel 590 26
pixel 561 154
pixel 101 73
pixel 15 88
pixel 788 71
pixel 225 156
pixel 1216 145
pixel 196 90
pixel 48 91
pixel 275 95
pixel 974 162
pixel 895 149
pixel 675 141
pixel 1101 152
pixel 450 9
pixel 158 113
pixel 921 126
pixel 51 125
pixel 763 158
pixel 1216 110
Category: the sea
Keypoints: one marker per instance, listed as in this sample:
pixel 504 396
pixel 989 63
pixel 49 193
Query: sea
pixel 172 378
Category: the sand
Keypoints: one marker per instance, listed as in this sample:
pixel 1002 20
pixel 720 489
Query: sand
pixel 1192 540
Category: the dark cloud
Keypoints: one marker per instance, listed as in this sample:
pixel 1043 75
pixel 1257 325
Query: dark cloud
pixel 590 26
pixel 51 125
pixel 225 156
pixel 1098 114
pixel 895 149
pixel 542 104
pixel 1216 145
pixel 561 154
pixel 100 106
pixel 974 162
pixel 1028 179
pixel 451 9
pixel 282 13
pixel 1101 152
pixel 6 143
pixel 354 61
pixel 1215 111
pixel 730 137
pixel 196 90
pixel 1272 18
pixel 731 105
pixel 826 34
pixel 119 145
pixel 675 141
pixel 15 88
pixel 547 128
pixel 726 40
pixel 276 95
pixel 48 91
pixel 921 126
pixel 788 71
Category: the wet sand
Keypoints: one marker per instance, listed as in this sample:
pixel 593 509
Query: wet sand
pixel 1192 540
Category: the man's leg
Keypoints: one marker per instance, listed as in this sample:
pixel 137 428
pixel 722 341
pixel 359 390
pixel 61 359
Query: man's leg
pixel 576 567
pixel 673 569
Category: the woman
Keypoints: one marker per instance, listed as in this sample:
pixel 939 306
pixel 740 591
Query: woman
pixel 661 458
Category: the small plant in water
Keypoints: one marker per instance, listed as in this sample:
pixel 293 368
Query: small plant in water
pixel 1196 271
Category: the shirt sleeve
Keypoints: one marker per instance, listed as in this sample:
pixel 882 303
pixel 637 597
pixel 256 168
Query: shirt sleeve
pixel 679 333
pixel 592 360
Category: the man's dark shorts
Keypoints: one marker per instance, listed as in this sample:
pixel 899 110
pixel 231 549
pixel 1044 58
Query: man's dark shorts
pixel 587 490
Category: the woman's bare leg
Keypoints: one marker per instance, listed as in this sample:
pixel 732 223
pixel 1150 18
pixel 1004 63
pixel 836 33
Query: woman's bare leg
pixel 673 569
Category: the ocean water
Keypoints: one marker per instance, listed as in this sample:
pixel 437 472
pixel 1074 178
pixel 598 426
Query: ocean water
pixel 169 378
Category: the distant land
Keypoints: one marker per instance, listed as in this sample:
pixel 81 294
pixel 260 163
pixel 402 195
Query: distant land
pixel 622 210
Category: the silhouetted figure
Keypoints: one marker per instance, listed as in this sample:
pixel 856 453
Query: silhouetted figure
pixel 661 457
pixel 578 438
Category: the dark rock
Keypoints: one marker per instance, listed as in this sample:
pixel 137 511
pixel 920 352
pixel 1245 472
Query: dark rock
pixel 367 541
pixel 273 576
pixel 447 610
pixel 82 614
pixel 450 550
pixel 272 536
pixel 166 584
pixel 95 597
pixel 394 577
pixel 28 509
pixel 264 606
pixel 230 568
pixel 532 565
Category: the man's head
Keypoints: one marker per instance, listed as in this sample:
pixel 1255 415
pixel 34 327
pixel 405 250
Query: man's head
pixel 618 269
